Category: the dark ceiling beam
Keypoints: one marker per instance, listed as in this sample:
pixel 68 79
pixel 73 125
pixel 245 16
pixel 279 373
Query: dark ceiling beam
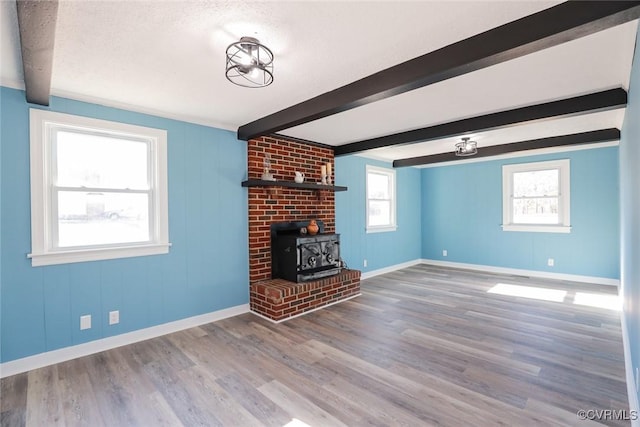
pixel 550 27
pixel 37 24
pixel 596 136
pixel 599 101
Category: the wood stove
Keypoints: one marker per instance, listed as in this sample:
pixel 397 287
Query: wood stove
pixel 300 257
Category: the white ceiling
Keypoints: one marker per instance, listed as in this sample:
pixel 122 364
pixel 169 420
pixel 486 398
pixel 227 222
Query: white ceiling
pixel 167 58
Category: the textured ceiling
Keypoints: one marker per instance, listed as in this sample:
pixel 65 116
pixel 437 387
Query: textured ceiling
pixel 167 58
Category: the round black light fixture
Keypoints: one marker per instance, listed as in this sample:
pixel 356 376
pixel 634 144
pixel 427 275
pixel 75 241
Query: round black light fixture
pixel 249 63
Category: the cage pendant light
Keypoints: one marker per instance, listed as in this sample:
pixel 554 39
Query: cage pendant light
pixel 466 147
pixel 249 63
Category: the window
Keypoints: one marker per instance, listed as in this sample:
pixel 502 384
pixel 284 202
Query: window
pixel 536 197
pixel 98 189
pixel 381 199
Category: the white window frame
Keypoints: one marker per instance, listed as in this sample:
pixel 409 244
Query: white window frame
pixel 391 174
pixel 564 198
pixel 43 125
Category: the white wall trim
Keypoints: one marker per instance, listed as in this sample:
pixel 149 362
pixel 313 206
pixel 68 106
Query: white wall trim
pixel 12 84
pixel 304 312
pixel 492 269
pixel 563 221
pixel 67 353
pixel 634 405
pixel 531 273
pixel 533 228
pixel 144 110
pixel 390 174
pixel 373 156
pixel 389 269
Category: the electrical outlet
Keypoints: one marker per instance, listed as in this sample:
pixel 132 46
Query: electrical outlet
pixel 85 322
pixel 551 262
pixel 364 263
pixel 114 317
pixel 444 252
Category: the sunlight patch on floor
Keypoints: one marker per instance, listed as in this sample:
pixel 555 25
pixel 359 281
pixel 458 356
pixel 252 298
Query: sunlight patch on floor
pixel 532 292
pixel 296 423
pixel 611 302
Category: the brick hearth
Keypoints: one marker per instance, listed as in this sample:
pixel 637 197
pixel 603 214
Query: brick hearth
pixel 280 299
pixel 279 204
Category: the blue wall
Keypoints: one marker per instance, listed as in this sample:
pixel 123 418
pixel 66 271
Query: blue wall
pixel 206 269
pixel 379 249
pixel 1 145
pixel 462 213
pixel 630 212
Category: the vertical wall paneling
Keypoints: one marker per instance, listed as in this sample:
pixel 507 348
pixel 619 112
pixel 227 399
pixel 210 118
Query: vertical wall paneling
pixel 462 213
pixel 19 282
pixel 206 269
pixel 57 307
pixel 630 217
pixel 2 132
pixel 379 249
pixel 85 283
pixel 232 230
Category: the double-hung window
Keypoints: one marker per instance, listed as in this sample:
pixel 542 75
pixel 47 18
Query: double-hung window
pixel 536 197
pixel 381 199
pixel 98 189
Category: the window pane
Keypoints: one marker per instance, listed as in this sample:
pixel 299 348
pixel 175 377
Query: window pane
pixel 102 218
pixel 536 211
pixel 378 186
pixel 99 161
pixel 379 212
pixel 536 183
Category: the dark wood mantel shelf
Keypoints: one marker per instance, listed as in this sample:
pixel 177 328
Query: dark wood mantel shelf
pixel 304 185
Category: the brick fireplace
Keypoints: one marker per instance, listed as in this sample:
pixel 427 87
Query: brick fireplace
pixel 276 298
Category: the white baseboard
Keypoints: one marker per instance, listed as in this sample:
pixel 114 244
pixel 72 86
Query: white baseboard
pixel 67 353
pixel 390 269
pixel 632 391
pixel 305 312
pixel 530 273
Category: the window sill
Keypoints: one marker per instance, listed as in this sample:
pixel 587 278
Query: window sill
pixel 67 257
pixel 538 228
pixel 381 229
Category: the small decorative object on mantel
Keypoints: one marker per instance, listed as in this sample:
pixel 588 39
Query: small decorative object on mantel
pixel 312 228
pixel 299 178
pixel 323 173
pixel 329 173
pixel 267 176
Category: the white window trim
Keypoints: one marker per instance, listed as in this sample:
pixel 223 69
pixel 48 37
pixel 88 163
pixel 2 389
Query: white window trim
pixel 537 228
pixel 564 200
pixel 381 228
pixel 42 254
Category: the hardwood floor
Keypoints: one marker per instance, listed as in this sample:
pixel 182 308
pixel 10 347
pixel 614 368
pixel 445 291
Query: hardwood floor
pixel 421 346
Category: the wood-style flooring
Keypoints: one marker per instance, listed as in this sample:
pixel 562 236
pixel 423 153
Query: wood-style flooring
pixel 422 346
